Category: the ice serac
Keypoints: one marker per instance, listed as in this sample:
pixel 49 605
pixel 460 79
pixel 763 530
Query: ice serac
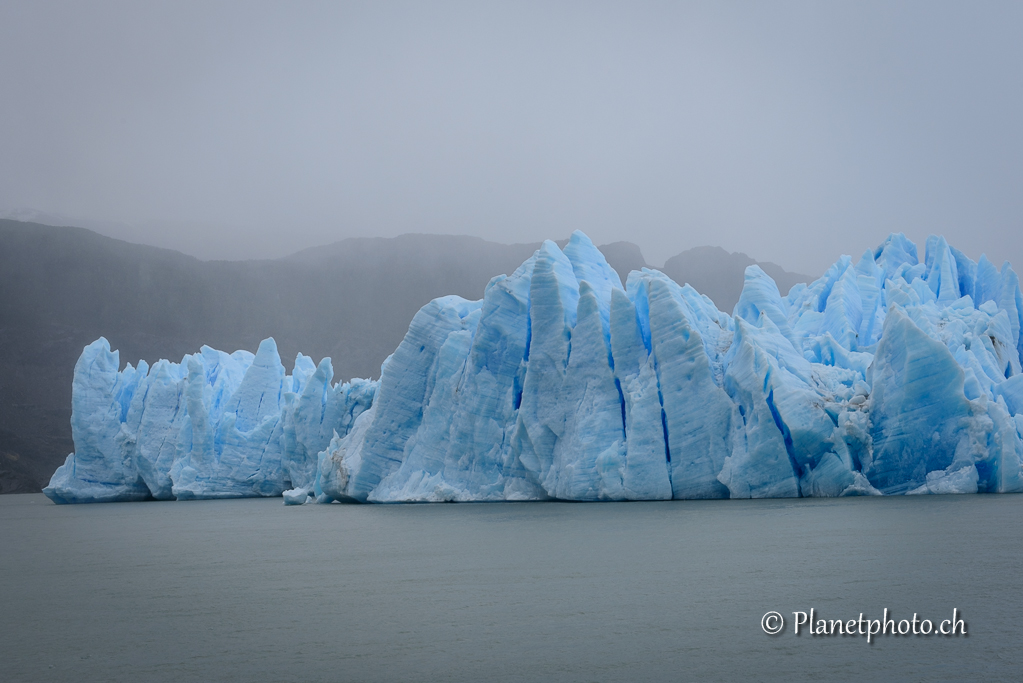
pixel 405 389
pixel 313 412
pixel 484 436
pixel 553 302
pixel 590 266
pixel 917 406
pixel 160 404
pixel 100 397
pixel 887 375
pixel 1011 392
pixel 241 455
pixel 646 475
pixel 761 466
pixel 462 449
pixel 212 426
pixel 521 401
pixel 420 477
pixel 589 454
pixel 587 460
pixel 698 415
pixel 480 460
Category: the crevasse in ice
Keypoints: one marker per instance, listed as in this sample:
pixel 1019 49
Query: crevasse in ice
pixel 890 375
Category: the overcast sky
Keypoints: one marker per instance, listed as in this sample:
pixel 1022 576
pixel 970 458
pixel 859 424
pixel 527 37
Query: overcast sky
pixel 793 132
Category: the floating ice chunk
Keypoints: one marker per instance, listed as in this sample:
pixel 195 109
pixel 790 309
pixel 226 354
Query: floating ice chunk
pixel 963 480
pixel 298 496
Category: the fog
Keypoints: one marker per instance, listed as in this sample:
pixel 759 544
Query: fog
pixel 790 131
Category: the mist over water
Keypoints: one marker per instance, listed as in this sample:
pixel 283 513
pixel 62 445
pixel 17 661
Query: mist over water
pixel 250 590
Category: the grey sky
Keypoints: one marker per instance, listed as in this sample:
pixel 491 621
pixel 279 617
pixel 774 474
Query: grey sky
pixel 791 131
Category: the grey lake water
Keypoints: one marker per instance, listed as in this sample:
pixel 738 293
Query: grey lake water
pixel 249 590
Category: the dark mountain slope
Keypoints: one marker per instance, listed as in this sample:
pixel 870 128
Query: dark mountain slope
pixel 713 271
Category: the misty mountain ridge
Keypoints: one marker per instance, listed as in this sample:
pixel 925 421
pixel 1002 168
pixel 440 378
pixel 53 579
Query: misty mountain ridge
pixel 711 270
pixel 63 287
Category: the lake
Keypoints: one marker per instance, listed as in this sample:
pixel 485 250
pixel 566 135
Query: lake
pixel 244 590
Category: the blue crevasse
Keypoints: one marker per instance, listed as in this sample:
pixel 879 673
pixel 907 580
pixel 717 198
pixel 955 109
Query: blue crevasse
pixel 887 375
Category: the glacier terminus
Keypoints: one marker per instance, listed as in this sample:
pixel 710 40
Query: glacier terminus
pixel 892 374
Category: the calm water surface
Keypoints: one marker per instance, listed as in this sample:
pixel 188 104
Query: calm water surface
pixel 249 590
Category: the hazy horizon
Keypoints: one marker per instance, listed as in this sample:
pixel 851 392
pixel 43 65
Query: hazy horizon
pixel 791 132
pixel 133 236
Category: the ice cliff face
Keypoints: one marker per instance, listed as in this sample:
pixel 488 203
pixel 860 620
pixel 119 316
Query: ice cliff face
pixel 890 375
pixel 213 426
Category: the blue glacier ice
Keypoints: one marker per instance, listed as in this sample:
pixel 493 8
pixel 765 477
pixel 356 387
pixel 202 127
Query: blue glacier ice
pixel 887 375
pixel 215 425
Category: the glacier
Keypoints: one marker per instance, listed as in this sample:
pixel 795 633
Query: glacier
pixel 888 375
pixel 215 425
